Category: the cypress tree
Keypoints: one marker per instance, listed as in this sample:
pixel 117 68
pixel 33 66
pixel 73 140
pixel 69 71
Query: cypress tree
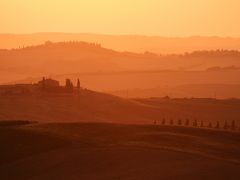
pixel 78 84
pixel 163 121
pixel 202 124
pixel 69 85
pixel 43 83
pixel 210 125
pixel 225 125
pixel 217 125
pixel 179 122
pixel 155 122
pixel 233 126
pixel 195 123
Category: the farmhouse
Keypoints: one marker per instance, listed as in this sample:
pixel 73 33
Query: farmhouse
pixel 48 83
pixel 45 85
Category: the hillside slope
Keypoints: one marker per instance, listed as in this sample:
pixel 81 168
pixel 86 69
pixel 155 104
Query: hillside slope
pixel 81 57
pixel 87 106
pixel 132 43
pixel 90 106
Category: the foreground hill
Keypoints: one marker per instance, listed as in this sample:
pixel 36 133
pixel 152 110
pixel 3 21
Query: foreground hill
pixel 114 151
pixel 92 106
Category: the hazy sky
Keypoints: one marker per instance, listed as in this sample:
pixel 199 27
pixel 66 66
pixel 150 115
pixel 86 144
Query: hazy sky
pixel 148 17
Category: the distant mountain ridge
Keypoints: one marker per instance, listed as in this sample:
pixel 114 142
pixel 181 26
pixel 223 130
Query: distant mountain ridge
pixel 132 43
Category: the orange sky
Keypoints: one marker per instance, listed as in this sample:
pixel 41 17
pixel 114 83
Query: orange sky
pixel 148 17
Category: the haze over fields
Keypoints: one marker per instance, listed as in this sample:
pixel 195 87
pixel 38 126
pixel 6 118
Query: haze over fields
pixel 108 70
pixel 129 90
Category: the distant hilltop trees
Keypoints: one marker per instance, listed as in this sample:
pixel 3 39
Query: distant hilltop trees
pixel 72 43
pixel 218 68
pixel 67 44
pixel 219 53
pixel 216 53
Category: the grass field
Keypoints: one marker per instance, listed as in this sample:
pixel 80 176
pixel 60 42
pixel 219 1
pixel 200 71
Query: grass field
pixel 90 106
pixel 117 151
pixel 92 135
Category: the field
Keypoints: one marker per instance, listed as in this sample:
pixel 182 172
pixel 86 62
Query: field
pixel 119 90
pixel 93 135
pixel 90 106
pixel 117 151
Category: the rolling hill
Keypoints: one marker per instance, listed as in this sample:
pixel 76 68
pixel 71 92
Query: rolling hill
pixel 90 106
pixel 81 57
pixel 131 43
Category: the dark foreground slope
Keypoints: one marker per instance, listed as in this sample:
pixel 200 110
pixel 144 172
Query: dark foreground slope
pixel 114 151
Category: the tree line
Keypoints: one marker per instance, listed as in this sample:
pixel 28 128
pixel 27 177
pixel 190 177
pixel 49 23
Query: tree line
pixel 227 125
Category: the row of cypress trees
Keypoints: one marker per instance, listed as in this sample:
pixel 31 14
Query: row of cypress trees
pixel 196 123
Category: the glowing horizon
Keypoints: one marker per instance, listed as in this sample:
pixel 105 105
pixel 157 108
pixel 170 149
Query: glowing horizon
pixel 178 18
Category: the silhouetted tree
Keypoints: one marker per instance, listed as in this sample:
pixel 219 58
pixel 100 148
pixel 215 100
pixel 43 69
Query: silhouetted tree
pixel 78 84
pixel 195 123
pixel 217 125
pixel 155 122
pixel 202 124
pixel 187 122
pixel 210 125
pixel 43 83
pixel 171 122
pixel 179 122
pixel 225 125
pixel 233 125
pixel 163 121
pixel 69 85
